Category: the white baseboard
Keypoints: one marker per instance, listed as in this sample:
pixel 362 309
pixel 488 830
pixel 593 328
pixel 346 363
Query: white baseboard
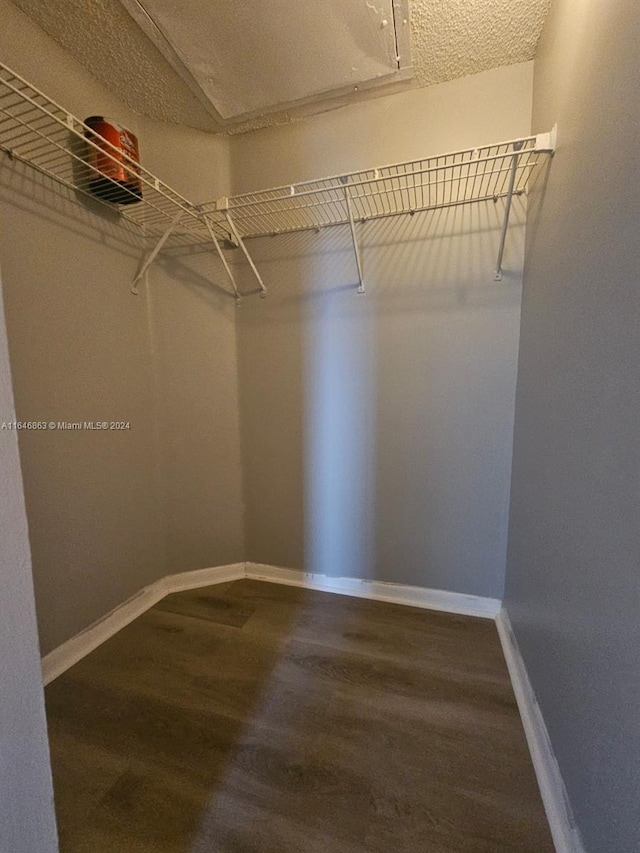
pixel 64 656
pixel 565 834
pixel 60 659
pixel 204 577
pixel 416 596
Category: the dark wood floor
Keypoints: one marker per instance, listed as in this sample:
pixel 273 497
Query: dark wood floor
pixel 256 718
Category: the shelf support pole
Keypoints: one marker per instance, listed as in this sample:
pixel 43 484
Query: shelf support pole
pixel 507 209
pixel 354 239
pixel 245 252
pixel 216 243
pixel 154 253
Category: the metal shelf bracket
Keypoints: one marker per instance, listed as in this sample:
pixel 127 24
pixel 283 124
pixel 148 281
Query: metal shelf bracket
pixel 230 275
pixel 546 142
pixel 154 252
pixel 240 242
pixel 354 236
pixel 517 146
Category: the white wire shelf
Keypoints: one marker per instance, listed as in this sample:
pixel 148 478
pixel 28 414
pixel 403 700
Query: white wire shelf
pixel 39 132
pixel 487 173
pixel 36 130
pixel 478 174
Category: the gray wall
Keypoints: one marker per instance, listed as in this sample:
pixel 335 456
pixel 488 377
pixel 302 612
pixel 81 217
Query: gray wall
pixel 573 583
pixel 112 512
pixel 27 822
pixel 377 429
pixel 193 327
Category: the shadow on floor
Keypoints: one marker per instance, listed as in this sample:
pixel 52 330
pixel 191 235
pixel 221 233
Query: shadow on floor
pixel 257 717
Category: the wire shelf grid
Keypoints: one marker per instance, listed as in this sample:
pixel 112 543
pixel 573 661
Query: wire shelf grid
pixel 39 132
pixel 36 130
pixel 462 177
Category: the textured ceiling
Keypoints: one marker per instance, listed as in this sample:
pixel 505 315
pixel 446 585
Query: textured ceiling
pixel 450 39
pixel 454 38
pixel 251 58
pixel 103 37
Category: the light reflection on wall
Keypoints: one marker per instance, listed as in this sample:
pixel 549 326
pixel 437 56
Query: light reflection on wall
pixel 377 427
pixel 339 424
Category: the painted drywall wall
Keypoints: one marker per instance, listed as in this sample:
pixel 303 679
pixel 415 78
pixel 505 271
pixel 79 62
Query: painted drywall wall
pixel 27 821
pixel 80 351
pixel 193 322
pixel 106 507
pixel 572 589
pixel 377 428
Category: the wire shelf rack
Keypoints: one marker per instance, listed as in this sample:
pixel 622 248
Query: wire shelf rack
pixel 39 132
pixel 461 177
pixel 486 173
pixel 36 130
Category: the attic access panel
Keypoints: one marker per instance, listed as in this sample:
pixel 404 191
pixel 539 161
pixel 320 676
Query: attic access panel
pixel 252 57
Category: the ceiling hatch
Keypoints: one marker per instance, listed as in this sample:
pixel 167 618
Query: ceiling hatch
pixel 251 57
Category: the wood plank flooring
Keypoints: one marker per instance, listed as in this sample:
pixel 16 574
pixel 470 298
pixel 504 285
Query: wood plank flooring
pixel 251 717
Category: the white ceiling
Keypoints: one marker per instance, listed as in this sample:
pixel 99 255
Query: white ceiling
pixel 240 64
pixel 252 58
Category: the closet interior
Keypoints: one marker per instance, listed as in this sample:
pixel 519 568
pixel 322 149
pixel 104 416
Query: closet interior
pixel 309 468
